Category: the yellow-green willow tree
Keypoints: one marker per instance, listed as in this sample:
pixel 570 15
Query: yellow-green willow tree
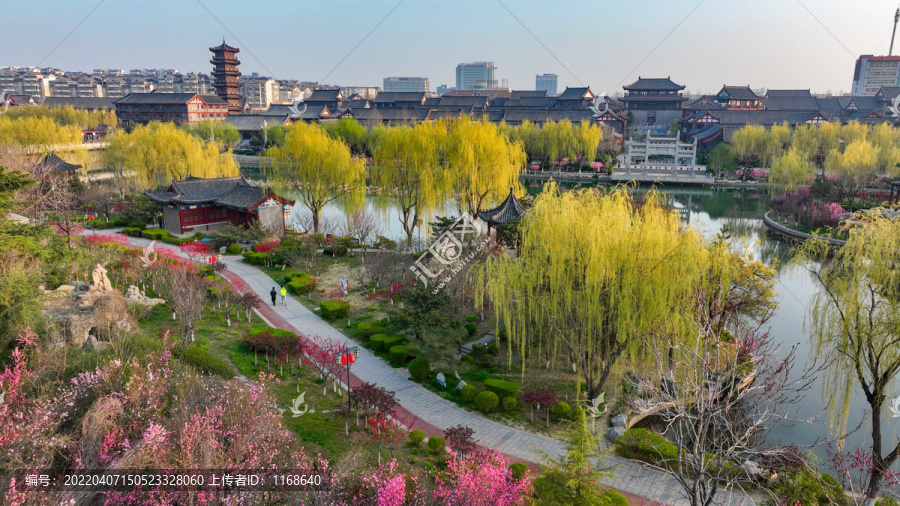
pixel 409 169
pixel 595 272
pixel 319 168
pixel 791 168
pixel 589 135
pixel 484 163
pixel 855 167
pixel 748 145
pixel 855 322
pixel 157 153
pixel 37 131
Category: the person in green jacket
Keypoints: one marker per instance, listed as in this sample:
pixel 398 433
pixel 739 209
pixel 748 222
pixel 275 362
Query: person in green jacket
pixel 283 295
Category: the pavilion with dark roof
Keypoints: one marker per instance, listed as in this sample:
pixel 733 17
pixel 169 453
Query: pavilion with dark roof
pixel 199 205
pixel 57 165
pixel 508 210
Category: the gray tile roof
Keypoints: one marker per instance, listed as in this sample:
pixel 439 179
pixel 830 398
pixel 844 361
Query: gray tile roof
pixel 255 122
pixel 788 93
pixel 477 102
pixel 703 103
pixel 790 103
pixel 654 83
pixel 509 209
pixel 325 96
pixel 738 92
pixel 92 103
pixel 518 94
pixel 232 192
pixel 168 98
pixel 53 162
pixel 573 93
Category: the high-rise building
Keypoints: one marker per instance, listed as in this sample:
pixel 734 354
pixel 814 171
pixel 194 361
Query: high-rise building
pixel 260 92
pixel 873 72
pixel 546 82
pixel 476 75
pixel 404 84
pixel 227 77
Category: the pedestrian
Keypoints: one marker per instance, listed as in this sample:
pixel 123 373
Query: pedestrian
pixel 283 295
pixel 274 294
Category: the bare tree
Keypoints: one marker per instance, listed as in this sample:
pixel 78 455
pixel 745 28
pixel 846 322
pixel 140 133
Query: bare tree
pixel 186 292
pixel 718 402
pixel 54 198
pixel 361 224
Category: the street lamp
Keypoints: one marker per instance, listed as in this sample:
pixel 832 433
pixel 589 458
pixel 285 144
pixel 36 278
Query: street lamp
pixel 346 359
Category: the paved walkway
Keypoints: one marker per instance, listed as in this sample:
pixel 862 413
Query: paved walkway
pixel 436 413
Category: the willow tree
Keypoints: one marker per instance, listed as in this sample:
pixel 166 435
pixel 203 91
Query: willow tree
pixel 594 272
pixel 528 135
pixel 484 163
pixel 589 136
pixel 410 171
pixel 791 168
pixel 885 138
pixel 319 168
pixel 37 131
pixel 854 167
pixel 855 321
pixel 748 145
pixel 777 141
pixel 156 153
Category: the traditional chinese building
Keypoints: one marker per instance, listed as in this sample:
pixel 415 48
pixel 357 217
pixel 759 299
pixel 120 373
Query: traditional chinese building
pixel 56 165
pixel 653 94
pixel 142 108
pixel 198 205
pixel 227 78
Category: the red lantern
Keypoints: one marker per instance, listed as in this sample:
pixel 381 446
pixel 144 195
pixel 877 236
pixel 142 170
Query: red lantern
pixel 352 358
pixel 344 359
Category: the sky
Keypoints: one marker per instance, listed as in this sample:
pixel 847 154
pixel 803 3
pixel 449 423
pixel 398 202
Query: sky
pixel 602 44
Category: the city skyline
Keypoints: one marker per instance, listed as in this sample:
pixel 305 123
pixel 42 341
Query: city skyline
pixel 766 44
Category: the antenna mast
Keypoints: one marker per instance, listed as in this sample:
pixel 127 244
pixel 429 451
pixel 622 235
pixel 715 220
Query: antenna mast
pixel 896 18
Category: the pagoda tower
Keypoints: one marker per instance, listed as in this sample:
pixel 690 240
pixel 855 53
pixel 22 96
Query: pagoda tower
pixel 226 75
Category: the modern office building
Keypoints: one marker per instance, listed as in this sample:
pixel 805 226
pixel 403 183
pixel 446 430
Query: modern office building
pixel 405 84
pixel 873 72
pixel 476 75
pixel 546 82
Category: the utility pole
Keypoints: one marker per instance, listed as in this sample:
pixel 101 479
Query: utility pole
pixel 896 18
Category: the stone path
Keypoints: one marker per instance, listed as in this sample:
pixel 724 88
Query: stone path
pixel 436 413
pixel 488 338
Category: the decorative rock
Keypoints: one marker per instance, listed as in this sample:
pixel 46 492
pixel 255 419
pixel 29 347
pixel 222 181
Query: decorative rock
pixel 100 282
pixel 619 421
pixel 80 287
pixel 614 432
pixel 752 468
pixel 137 296
pixel 441 379
pixel 461 384
pixel 65 288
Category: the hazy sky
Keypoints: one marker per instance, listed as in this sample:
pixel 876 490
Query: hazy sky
pixel 763 43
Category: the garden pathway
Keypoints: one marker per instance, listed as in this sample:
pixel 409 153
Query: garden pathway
pixel 435 413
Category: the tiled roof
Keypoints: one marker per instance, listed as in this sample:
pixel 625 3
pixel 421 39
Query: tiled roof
pixel 704 102
pixel 518 94
pixel 573 93
pixel 168 98
pixel 654 83
pixel 788 93
pixel 254 122
pixel 325 96
pixel 477 102
pixel 509 209
pixel 92 103
pixel 738 92
pixel 233 192
pixel 53 162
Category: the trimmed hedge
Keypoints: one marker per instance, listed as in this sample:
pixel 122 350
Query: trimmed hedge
pixel 202 359
pixel 175 241
pixel 377 342
pixel 254 258
pixel 613 498
pixel 234 249
pixel 290 276
pixel 416 437
pixel 391 341
pixel 468 392
pixel 646 445
pixel 519 470
pixel 437 444
pixel 334 309
pixel 369 329
pixel 471 328
pixel 502 388
pixel 487 401
pixel 472 318
pixel 154 233
pixel 509 403
pixel 132 231
pixel 301 286
pixel 561 411
pixel 399 354
pixel 419 369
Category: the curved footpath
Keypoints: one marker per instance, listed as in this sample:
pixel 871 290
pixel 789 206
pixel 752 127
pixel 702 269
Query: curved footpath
pixel 434 413
pixel 796 234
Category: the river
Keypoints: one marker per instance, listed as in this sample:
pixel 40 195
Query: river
pixel 739 212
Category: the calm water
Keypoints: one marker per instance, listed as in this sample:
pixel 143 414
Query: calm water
pixel 739 211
